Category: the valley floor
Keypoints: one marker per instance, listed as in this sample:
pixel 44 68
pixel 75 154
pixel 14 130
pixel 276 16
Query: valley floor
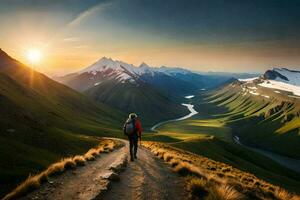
pixel 208 135
pixel 290 163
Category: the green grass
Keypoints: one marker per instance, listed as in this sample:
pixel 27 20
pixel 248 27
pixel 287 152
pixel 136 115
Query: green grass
pixel 151 104
pixel 210 179
pixel 257 121
pixel 38 129
pixel 66 163
pixel 42 121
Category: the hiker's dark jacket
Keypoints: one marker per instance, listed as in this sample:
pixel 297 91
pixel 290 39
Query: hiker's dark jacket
pixel 137 125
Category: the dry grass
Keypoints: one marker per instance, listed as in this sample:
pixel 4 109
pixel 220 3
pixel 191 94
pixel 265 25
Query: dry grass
pixel 184 169
pixel 33 182
pixel 209 179
pixel 91 154
pixel 198 187
pixel 282 194
pixel 79 160
pixel 68 163
pixel 167 157
pixel 30 184
pixel 224 192
pixel 55 169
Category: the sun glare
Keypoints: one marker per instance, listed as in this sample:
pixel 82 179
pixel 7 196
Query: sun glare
pixel 34 55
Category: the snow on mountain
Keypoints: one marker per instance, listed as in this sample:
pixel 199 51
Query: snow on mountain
pixel 118 69
pixel 248 79
pixel 145 69
pixel 282 79
pixel 122 71
pixel 281 86
pixel 279 78
pixel 292 76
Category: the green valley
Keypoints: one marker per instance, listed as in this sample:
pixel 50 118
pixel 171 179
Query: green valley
pixel 229 113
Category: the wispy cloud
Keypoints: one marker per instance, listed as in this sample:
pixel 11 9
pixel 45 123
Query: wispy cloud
pixel 76 21
pixel 71 39
pixel 89 12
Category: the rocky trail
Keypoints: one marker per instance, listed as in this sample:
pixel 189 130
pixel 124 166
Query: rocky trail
pixel 113 176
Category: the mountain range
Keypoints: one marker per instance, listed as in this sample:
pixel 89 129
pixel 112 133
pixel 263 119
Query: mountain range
pixel 153 93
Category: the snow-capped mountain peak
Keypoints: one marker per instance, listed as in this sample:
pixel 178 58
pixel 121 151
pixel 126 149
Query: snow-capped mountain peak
pixel 105 63
pixel 280 79
pixel 145 69
pixel 144 66
pixel 100 65
pixel 111 69
pixel 284 75
pixel 108 68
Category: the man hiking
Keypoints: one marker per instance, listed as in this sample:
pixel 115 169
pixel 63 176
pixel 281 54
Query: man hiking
pixel 133 129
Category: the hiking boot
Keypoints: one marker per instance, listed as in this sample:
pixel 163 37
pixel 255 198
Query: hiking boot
pixel 131 159
pixel 135 157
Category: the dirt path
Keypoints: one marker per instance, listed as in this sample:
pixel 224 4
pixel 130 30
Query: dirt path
pixel 145 178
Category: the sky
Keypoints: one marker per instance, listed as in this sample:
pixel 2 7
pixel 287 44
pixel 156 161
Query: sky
pixel 201 35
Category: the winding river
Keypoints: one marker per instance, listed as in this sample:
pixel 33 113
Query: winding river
pixel 190 107
pixel 290 163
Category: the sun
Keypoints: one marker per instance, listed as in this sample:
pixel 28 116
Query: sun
pixel 34 55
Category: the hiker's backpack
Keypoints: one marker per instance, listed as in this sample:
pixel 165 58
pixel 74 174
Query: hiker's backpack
pixel 130 127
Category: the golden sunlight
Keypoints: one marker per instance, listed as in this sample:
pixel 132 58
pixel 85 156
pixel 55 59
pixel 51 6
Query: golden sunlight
pixel 34 55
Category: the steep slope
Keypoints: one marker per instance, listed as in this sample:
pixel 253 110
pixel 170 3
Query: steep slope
pixel 42 120
pixel 222 128
pixel 149 103
pixel 262 117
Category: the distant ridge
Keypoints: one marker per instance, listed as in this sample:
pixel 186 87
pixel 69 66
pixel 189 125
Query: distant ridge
pixel 155 93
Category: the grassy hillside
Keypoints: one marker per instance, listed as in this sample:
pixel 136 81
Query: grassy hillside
pixel 261 117
pixel 42 121
pixel 229 112
pixel 208 179
pixel 151 105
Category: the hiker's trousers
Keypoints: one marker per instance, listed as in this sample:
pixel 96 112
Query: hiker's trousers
pixel 133 145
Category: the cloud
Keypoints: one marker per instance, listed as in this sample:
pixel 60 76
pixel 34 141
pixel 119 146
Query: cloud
pixel 89 12
pixel 71 39
pixel 76 21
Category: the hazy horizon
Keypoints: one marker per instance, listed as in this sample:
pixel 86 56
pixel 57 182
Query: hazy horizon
pixel 231 36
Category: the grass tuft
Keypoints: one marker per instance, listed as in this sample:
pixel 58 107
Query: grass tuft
pixel 282 194
pixel 198 187
pixel 55 169
pixel 167 157
pixel 225 192
pixel 79 160
pixel 68 163
pixel 219 180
